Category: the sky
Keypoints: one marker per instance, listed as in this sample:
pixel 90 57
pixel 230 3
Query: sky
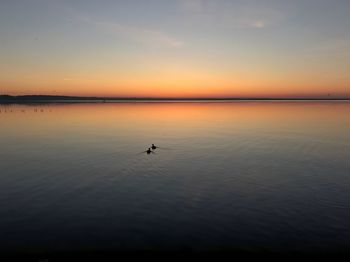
pixel 175 48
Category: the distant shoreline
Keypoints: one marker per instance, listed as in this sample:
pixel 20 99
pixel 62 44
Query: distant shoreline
pixel 6 99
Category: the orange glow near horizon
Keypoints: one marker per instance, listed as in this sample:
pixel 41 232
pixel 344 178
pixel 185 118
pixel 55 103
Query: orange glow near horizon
pixel 176 84
pixel 174 80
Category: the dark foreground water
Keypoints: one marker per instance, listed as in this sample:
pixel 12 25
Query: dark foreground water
pixel 241 175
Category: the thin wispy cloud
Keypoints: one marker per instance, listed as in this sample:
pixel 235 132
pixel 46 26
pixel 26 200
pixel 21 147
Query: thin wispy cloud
pixel 141 35
pixel 257 17
pixel 229 14
pixel 146 36
pixel 258 24
pixel 192 5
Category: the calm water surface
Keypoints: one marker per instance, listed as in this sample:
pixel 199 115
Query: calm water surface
pixel 272 175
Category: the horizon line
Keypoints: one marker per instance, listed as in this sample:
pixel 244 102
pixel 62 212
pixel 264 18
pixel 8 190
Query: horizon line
pixel 5 97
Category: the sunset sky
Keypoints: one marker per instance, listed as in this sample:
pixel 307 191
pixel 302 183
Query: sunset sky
pixel 175 48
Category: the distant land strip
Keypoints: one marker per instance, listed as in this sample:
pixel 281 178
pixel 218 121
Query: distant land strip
pixel 77 99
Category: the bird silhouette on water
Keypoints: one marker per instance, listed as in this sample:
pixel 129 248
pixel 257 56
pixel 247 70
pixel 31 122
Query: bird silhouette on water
pixel 151 150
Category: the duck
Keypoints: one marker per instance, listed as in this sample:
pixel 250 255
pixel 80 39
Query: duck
pixel 154 147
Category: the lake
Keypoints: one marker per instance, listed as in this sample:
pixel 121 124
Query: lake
pixel 243 175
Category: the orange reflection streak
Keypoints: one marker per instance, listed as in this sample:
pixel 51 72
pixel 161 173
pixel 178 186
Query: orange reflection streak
pixel 127 119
